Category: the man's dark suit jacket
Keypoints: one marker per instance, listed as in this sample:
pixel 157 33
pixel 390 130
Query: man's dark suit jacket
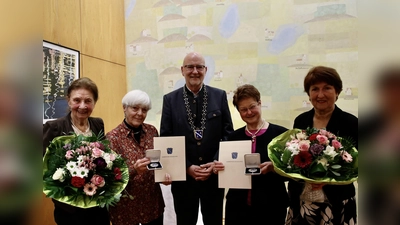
pixel 174 122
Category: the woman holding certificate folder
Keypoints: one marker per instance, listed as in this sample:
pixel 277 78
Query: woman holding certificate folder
pixel 131 139
pixel 267 201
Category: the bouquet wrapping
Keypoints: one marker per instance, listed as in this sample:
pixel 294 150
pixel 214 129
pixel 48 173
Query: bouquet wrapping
pixel 315 156
pixel 83 171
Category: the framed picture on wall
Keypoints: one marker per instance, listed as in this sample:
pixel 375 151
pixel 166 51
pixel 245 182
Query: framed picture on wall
pixel 60 68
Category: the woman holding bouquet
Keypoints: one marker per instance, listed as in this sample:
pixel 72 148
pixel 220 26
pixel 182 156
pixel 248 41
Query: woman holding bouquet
pixel 82 96
pixel 336 204
pixel 267 201
pixel 131 139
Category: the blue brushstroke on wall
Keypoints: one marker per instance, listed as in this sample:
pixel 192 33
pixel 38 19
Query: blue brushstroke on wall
pixel 285 37
pixel 230 22
pixel 129 9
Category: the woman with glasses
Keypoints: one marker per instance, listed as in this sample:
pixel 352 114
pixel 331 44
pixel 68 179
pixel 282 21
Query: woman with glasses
pixel 131 139
pixel 267 200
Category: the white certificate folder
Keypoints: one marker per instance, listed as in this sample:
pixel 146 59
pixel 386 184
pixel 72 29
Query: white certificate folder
pixel 172 158
pixel 231 154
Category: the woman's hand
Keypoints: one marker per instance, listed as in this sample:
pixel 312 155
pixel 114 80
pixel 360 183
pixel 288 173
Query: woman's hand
pixel 167 180
pixel 266 167
pixel 141 165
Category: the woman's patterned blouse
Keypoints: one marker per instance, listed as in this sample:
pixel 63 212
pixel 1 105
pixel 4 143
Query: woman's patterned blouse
pixel 147 204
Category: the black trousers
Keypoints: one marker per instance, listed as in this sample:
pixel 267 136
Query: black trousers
pixel 66 215
pixel 187 195
pixel 239 213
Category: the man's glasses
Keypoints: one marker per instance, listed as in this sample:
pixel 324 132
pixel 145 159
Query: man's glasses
pixel 198 67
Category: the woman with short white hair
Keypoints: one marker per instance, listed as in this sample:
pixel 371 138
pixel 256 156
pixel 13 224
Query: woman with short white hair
pixel 131 139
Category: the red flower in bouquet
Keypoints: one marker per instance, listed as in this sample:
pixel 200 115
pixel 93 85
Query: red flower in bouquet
pixel 303 159
pixel 77 182
pixel 313 137
pixel 117 173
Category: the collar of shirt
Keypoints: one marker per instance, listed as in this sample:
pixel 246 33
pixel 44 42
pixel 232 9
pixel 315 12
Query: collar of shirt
pixel 127 131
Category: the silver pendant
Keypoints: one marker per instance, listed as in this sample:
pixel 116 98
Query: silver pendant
pixel 198 134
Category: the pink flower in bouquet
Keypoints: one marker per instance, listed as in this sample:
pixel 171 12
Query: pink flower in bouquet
pixel 96 152
pixel 77 181
pixel 81 150
pixel 98 181
pixel 293 142
pixel 336 144
pixel 112 157
pixel 90 189
pixel 323 132
pixel 95 144
pixel 346 156
pixel 322 139
pixel 304 145
pixel 303 159
pixel 69 154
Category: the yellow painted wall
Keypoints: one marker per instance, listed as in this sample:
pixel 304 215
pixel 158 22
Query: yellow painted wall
pixel 96 28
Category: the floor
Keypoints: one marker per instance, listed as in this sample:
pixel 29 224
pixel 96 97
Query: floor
pixel 169 213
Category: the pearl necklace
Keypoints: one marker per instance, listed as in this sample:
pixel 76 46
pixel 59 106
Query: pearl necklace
pixel 253 135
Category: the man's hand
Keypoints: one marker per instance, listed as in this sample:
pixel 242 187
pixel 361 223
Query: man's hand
pixel 167 180
pixel 202 172
pixel 218 166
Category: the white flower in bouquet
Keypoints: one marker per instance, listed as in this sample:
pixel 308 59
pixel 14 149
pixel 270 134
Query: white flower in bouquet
pixel 330 151
pixel 324 163
pixel 59 174
pixel 71 165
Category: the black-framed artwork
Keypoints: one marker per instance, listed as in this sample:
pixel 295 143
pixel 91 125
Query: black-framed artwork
pixel 60 68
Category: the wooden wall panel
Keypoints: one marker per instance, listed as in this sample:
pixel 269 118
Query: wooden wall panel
pixel 47 217
pixel 96 28
pixel 110 78
pixel 62 22
pixel 102 28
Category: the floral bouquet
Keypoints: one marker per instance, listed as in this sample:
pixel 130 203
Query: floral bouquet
pixel 315 156
pixel 83 172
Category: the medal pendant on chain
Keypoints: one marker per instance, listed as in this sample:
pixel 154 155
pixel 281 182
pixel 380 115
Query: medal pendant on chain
pixel 198 134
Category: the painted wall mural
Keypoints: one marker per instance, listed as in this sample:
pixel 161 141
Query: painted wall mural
pixel 268 43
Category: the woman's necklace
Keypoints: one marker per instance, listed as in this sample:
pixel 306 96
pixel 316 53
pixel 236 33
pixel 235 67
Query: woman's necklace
pixel 253 135
pixel 79 131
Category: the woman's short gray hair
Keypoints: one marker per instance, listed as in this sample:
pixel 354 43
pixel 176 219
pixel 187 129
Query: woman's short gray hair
pixel 137 97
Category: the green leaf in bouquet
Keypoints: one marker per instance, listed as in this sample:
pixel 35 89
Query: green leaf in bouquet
pixel 274 157
pixel 286 156
pixel 336 166
pixel 335 173
pixel 317 169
